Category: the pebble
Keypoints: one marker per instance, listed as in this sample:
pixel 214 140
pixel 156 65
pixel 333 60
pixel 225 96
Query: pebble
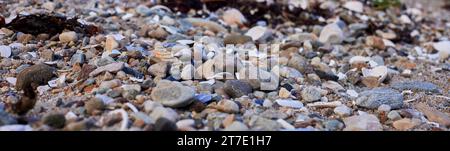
pixel 290 103
pixel 228 106
pixel 188 72
pixel 5 51
pixel 143 10
pixel 433 114
pixel 372 99
pixel 334 125
pixel 210 25
pixel 237 88
pixel 375 42
pixel 394 115
pixel 283 93
pixel 362 122
pixel 94 105
pixel 24 38
pixel 172 94
pixel 379 72
pixel 258 33
pixel 159 69
pixel 354 6
pixel 113 67
pixel 167 113
pixel 6 119
pixel 405 124
pixel 49 6
pixel 443 47
pixel 69 36
pixel 343 111
pixel 185 123
pixel 236 39
pixel 48 55
pixel 332 85
pixel 111 43
pixel 233 17
pixel 352 93
pixel 236 126
pixel 418 86
pixel 310 94
pixel 285 125
pixel 55 120
pixel 384 108
pixel 149 106
pixel 331 33
pixel 79 58
pixel 164 124
pixel 110 84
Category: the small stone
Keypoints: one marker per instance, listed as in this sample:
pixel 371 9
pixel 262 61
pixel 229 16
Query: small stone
pixel 379 72
pixel 290 103
pixel 55 120
pixel 167 113
pixel 331 33
pixel 11 80
pixel 24 38
pixel 172 94
pixel 405 19
pixel 236 39
pixel 334 125
pixel 149 106
pixel 163 124
pixel 433 114
pixel 443 47
pixel 110 84
pixel 237 88
pixel 228 106
pixel 404 124
pixel 363 122
pixel 343 111
pixel 49 6
pixel 298 62
pixel 47 55
pixel 34 75
pixel 185 124
pixel 158 33
pixel 236 126
pixel 332 85
pixel 78 58
pixel 111 43
pixel 258 33
pixel 5 51
pixel 113 67
pixel 370 82
pixel 228 120
pixel 283 93
pixel 233 17
pixel 375 42
pixel 394 115
pixel 143 10
pixel 372 99
pixel 384 108
pixel 188 72
pixel 310 94
pixel 354 6
pixel 285 125
pixel 93 106
pixel 66 37
pixel 159 69
pixel 6 119
pixel 416 86
pixel 352 93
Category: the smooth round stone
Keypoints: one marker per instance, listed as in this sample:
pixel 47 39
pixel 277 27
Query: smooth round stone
pixel 172 94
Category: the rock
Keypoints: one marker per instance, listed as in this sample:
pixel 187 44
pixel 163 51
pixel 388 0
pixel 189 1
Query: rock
pixel 55 120
pixel 331 33
pixel 416 86
pixel 379 72
pixel 375 42
pixel 394 115
pixel 290 103
pixel 236 126
pixel 363 122
pixel 298 62
pixel 172 94
pixel 158 33
pixel 143 10
pixel 285 125
pixel 405 124
pixel 11 80
pixel 215 27
pixel 24 38
pixel 263 124
pixel 94 106
pixel 258 33
pixel 49 6
pixel 352 93
pixel 110 84
pixel 354 6
pixel 5 51
pixel 283 93
pixel 310 94
pixel 185 124
pixel 206 70
pixel 111 43
pixel 149 106
pixel 130 94
pixel 258 78
pixel 163 124
pixel 236 39
pixel 433 114
pixel 227 63
pixel 372 99
pixel 6 119
pixel 167 113
pixel 237 88
pixel 384 108
pixel 228 106
pixel 324 104
pixel 16 127
pixel 204 98
pixel 334 125
pixel 343 111
pixel 233 17
pixel 79 58
pixel 405 19
pixel 370 82
pixel 69 36
pixel 188 72
pixel 332 85
pixel 443 47
pixel 159 69
pixel 113 67
pixel 47 55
